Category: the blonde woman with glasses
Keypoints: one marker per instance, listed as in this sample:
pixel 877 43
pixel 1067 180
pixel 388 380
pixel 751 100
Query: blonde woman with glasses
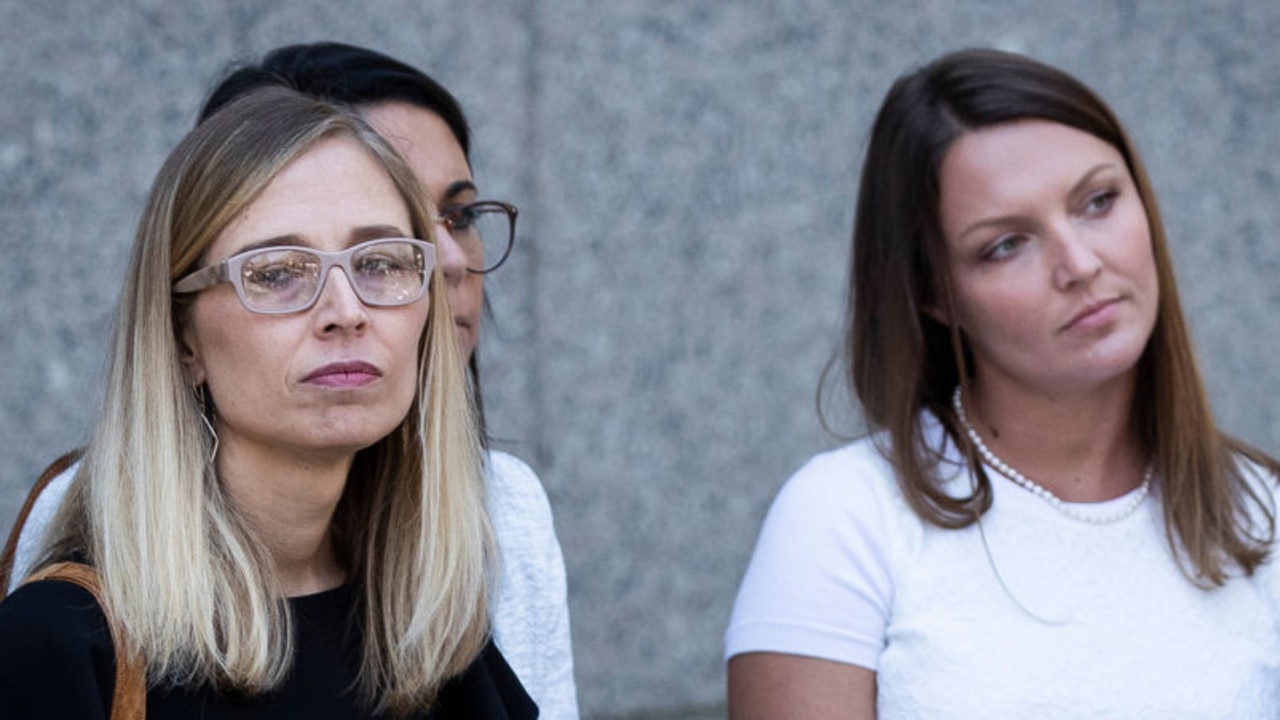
pixel 282 501
pixel 424 122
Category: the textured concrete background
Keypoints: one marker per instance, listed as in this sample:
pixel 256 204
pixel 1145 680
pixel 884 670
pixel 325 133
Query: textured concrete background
pixel 685 172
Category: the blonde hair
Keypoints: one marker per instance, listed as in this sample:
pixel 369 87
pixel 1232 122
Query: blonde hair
pixel 182 570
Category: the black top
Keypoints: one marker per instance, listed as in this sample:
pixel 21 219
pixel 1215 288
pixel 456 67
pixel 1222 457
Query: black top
pixel 57 661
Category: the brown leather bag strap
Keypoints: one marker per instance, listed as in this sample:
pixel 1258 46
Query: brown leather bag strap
pixel 129 701
pixel 11 546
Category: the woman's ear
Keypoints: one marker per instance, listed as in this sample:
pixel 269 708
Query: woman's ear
pixel 936 313
pixel 189 356
pixel 935 301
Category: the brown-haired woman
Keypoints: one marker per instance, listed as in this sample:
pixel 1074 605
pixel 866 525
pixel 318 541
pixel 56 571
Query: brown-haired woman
pixel 1045 521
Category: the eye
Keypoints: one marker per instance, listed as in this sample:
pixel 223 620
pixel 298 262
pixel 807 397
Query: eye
pixel 1100 202
pixel 461 217
pixel 384 264
pixel 276 274
pixel 1003 247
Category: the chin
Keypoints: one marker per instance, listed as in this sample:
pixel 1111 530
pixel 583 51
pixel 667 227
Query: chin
pixel 344 447
pixel 353 433
pixel 1122 358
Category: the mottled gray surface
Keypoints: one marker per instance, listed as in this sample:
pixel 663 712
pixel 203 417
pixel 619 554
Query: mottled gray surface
pixel 685 172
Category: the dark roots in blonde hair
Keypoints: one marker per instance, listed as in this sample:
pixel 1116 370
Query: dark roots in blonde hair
pixel 185 572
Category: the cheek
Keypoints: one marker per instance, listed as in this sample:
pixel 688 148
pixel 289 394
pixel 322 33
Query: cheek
pixel 1142 258
pixel 407 373
pixel 242 355
pixel 406 337
pixel 468 295
pixel 213 341
pixel 1133 231
pixel 997 314
pixel 238 376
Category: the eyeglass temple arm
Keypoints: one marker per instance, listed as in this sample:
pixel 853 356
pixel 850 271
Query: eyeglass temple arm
pixel 201 279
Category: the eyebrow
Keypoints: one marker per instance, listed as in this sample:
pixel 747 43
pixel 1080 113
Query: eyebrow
pixel 1075 189
pixel 358 235
pixel 458 187
pixel 374 232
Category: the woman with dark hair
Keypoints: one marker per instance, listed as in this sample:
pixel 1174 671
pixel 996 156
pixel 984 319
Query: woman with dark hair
pixel 281 512
pixel 1045 520
pixel 426 125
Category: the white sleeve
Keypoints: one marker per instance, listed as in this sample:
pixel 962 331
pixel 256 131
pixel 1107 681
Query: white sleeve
pixel 531 611
pixel 38 520
pixel 1261 515
pixel 819 582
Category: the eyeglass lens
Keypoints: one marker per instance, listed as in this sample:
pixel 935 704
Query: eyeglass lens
pixel 278 280
pixel 484 231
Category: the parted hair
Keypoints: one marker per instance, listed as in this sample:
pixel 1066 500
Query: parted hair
pixel 361 78
pixel 900 361
pixel 182 568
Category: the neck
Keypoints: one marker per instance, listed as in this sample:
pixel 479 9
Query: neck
pixel 1080 446
pixel 289 504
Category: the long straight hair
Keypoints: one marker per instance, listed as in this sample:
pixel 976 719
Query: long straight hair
pixel 362 78
pixel 183 570
pixel 900 361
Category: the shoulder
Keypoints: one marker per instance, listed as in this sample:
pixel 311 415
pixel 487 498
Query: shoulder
pixel 842 497
pixel 511 480
pixel 857 487
pixel 51 615
pixel 1260 477
pixel 856 479
pixel 1263 485
pixel 821 580
pixel 530 612
pixel 516 500
pixel 487 689
pixel 57 647
pixel 50 491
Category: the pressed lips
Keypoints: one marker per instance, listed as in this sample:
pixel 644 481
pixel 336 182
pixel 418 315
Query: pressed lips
pixel 343 374
pixel 1094 315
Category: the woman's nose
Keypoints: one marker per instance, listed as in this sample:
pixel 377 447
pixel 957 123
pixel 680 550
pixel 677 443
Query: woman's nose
pixel 450 254
pixel 339 306
pixel 1077 260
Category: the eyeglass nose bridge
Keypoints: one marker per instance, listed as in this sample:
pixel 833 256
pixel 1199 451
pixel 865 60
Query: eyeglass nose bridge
pixel 327 264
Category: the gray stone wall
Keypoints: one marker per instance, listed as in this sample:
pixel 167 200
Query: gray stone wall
pixel 685 172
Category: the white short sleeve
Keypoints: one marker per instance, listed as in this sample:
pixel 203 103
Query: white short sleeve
pixel 819 582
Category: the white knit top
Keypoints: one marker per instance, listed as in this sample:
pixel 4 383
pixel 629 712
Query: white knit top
pixel 1048 617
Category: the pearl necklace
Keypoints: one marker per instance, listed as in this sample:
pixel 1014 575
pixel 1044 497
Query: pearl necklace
pixel 1070 510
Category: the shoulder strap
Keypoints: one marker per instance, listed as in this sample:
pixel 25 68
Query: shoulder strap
pixel 129 701
pixel 11 545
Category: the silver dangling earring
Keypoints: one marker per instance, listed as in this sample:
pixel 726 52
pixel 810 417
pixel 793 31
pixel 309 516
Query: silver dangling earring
pixel 202 406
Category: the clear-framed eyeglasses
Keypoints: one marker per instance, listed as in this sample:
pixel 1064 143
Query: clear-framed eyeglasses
pixel 486 231
pixel 275 280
